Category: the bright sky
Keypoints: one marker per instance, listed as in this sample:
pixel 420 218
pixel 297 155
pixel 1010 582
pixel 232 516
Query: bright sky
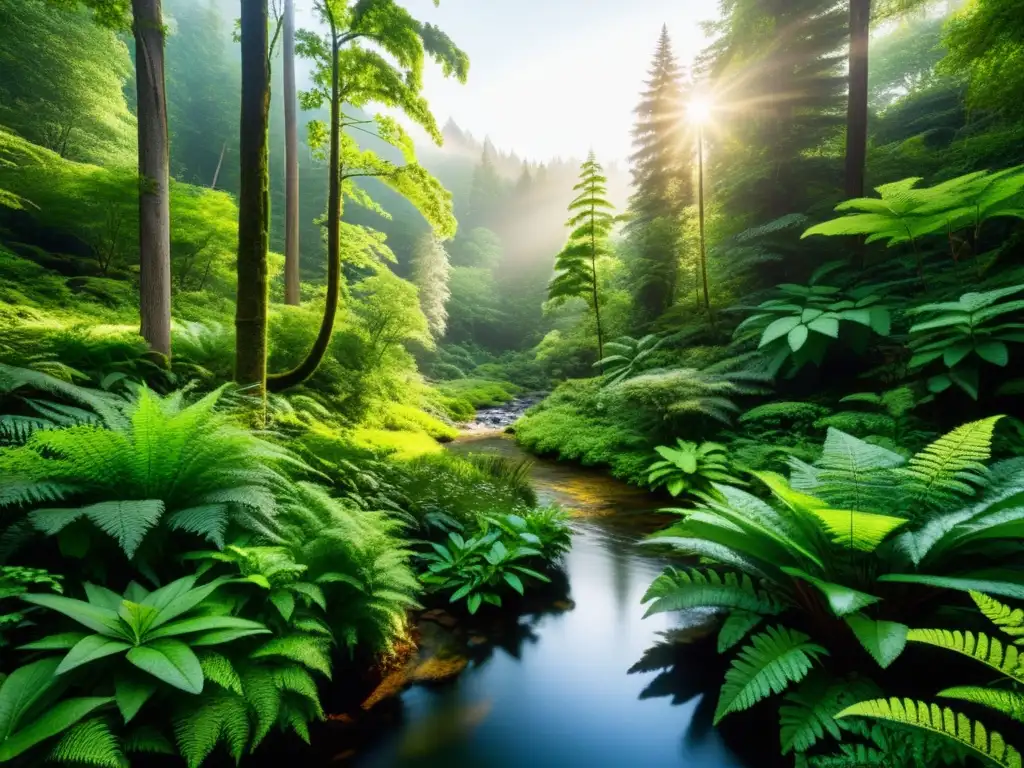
pixel 555 77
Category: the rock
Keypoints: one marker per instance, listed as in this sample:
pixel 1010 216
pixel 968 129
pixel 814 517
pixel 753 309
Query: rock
pixel 564 605
pixel 390 686
pixel 436 668
pixel 476 640
pixel 440 616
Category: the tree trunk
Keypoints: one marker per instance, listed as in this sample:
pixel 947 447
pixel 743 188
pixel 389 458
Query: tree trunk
pixel 307 367
pixel 154 181
pixel 291 161
pixel 220 162
pixel 700 213
pixel 254 202
pixel 857 103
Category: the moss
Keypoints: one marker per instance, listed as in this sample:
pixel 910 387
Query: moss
pixel 435 669
pixel 397 445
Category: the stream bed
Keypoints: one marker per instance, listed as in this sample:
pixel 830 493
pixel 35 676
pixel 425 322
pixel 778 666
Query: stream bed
pixel 594 684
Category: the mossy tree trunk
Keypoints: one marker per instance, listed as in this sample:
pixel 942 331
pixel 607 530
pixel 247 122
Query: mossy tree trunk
pixel 254 202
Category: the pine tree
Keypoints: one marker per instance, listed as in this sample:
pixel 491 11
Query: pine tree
pixel 430 273
pixel 591 222
pixel 485 194
pixel 662 179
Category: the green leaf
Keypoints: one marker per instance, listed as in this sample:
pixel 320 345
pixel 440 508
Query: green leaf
pixel 995 352
pixel 58 718
pixel 884 640
pixel 64 641
pixel 513 581
pixel 131 692
pixel 21 689
pixel 102 620
pixel 828 326
pixel 939 720
pixel 841 599
pixel 771 661
pixel 170 661
pixel 473 603
pixel 1001 588
pixel 91 648
pixel 736 627
pixel 797 337
pixel 206 624
pixel 284 601
pixel 778 329
pixel 221 636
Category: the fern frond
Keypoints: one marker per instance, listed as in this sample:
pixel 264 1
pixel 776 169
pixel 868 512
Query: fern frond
pixel 218 669
pixel 951 467
pixel 217 716
pixel 148 740
pixel 736 627
pixel 308 650
pixel 90 742
pixel 263 696
pixel 1009 620
pixel 809 711
pixel 978 646
pixel 676 590
pixel 1010 703
pixel 770 663
pixel 297 680
pixel 940 720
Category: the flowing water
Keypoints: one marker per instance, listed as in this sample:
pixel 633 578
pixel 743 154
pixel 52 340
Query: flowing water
pixel 592 685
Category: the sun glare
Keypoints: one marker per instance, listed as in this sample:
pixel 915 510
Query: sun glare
pixel 699 110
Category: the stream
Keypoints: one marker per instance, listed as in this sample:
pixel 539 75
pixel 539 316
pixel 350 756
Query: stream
pixel 594 684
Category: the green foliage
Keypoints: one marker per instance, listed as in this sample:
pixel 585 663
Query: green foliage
pixel 478 568
pixel 801 324
pixel 156 631
pixel 430 272
pixel 905 214
pixel 975 329
pixel 629 357
pixel 154 462
pixel 690 467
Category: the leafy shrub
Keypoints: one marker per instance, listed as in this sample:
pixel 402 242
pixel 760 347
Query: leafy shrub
pixel 964 333
pixel 990 651
pixel 481 393
pixel 801 325
pixel 690 467
pixel 477 568
pixel 629 357
pixel 783 415
pixel 151 464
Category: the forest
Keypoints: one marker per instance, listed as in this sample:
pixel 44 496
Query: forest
pixel 334 430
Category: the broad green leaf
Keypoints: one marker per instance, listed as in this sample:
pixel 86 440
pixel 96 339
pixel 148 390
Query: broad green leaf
pixel 102 620
pixel 829 326
pixel 170 661
pixel 131 692
pixel 221 636
pixel 55 720
pixel 63 641
pixel 966 584
pixel 778 329
pixel 884 640
pixel 91 648
pixel 473 603
pixel 995 352
pixel 797 337
pixel 206 624
pixel 513 581
pixel 284 601
pixel 841 599
pixel 21 689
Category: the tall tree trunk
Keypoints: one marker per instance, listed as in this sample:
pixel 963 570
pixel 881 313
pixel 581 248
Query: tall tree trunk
pixel 857 103
pixel 700 213
pixel 254 201
pixel 291 161
pixel 154 181
pixel 220 162
pixel 307 367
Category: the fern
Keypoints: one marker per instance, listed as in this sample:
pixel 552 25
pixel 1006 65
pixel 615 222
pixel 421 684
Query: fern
pixel 1010 703
pixel 676 590
pixel 309 650
pixel 772 661
pixel 217 716
pixel 940 720
pixel 1009 620
pixel 951 467
pixel 147 740
pixel 89 743
pixel 737 625
pixel 978 646
pixel 218 669
pixel 809 711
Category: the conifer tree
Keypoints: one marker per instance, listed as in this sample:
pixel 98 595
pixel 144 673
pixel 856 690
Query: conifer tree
pixel 430 273
pixel 662 179
pixel 591 221
pixel 485 193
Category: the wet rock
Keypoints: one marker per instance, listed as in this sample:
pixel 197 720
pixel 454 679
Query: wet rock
pixel 436 669
pixel 564 605
pixel 390 686
pixel 439 616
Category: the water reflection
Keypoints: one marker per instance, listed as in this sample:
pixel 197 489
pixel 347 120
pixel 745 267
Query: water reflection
pixel 592 685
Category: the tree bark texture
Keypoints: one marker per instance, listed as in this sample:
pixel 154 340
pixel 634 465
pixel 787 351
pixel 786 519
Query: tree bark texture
pixel 154 177
pixel 254 202
pixel 291 152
